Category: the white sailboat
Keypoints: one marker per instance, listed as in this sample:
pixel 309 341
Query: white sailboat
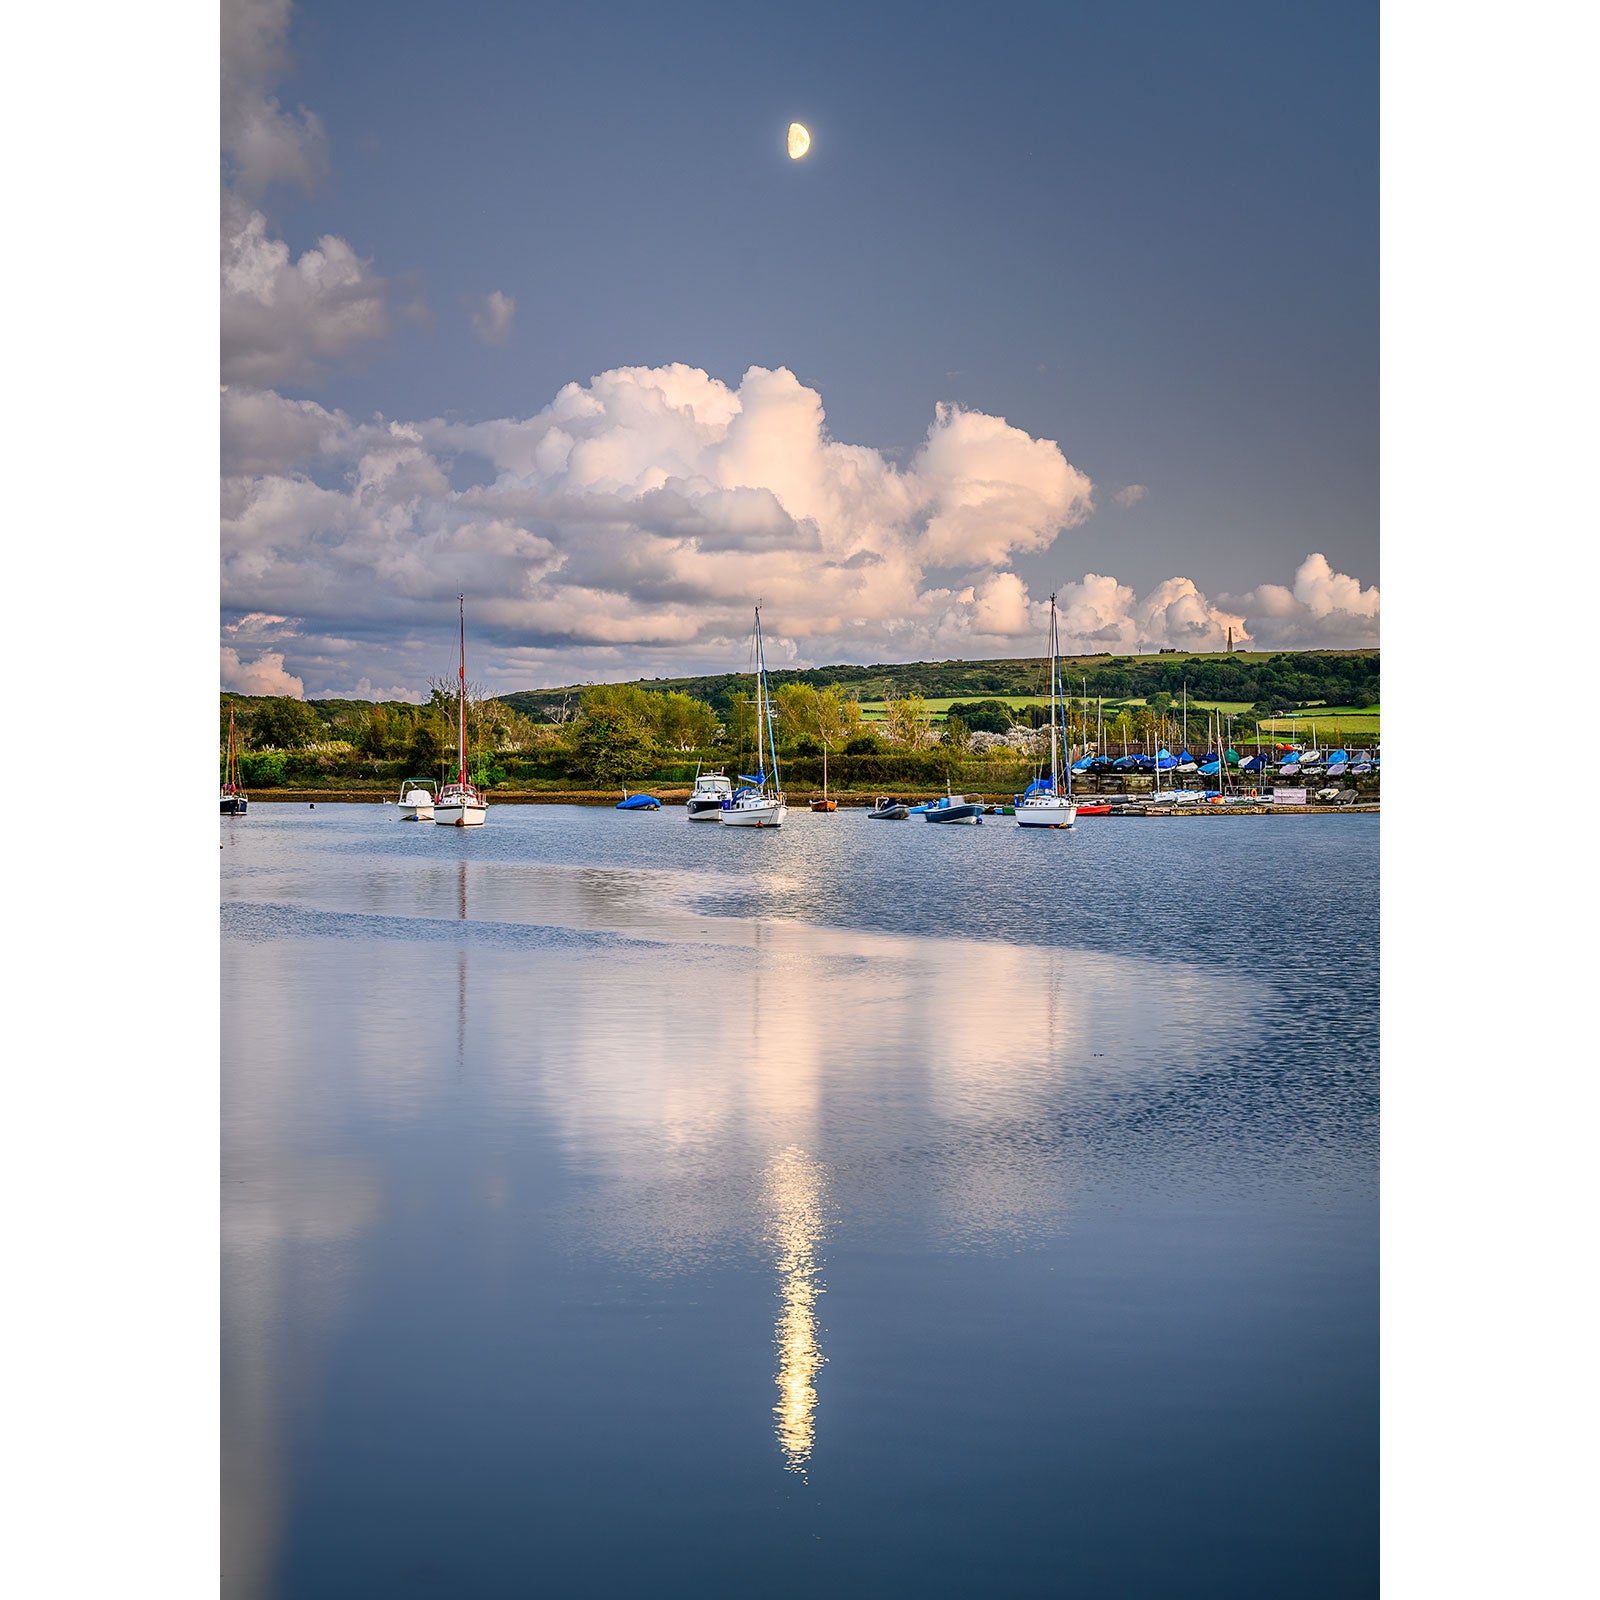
pixel 1048 802
pixel 460 805
pixel 758 804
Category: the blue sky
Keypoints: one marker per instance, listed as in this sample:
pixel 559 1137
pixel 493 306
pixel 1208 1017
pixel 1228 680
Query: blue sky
pixel 1146 234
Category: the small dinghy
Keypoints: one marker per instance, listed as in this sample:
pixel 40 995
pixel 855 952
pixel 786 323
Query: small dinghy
pixel 887 809
pixel 1093 811
pixel 638 802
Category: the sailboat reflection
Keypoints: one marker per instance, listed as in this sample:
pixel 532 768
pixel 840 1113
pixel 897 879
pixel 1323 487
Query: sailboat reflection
pixel 795 1199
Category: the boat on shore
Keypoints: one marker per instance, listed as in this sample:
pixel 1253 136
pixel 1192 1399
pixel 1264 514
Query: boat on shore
pixel 234 801
pixel 758 804
pixel 459 804
pixel 416 800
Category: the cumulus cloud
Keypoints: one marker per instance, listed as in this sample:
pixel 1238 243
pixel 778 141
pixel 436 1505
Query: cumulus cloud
pixel 1323 608
pixel 264 675
pixel 630 525
pixel 263 143
pixel 284 320
pixel 284 317
pixel 492 315
pixel 1130 495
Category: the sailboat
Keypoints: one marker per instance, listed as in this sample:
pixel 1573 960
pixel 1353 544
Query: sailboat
pixel 234 803
pixel 1048 802
pixel 460 805
pixel 824 804
pixel 758 804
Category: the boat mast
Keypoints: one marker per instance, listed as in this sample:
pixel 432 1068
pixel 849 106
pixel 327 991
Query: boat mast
pixel 1055 765
pixel 764 700
pixel 461 723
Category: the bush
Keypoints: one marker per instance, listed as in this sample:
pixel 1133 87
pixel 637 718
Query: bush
pixel 864 744
pixel 262 769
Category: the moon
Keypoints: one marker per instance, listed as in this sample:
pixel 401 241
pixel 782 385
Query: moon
pixel 799 140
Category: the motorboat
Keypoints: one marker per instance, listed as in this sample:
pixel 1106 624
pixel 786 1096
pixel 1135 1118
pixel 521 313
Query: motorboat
pixel 954 808
pixel 459 804
pixel 712 791
pixel 759 804
pixel 416 800
pixel 887 809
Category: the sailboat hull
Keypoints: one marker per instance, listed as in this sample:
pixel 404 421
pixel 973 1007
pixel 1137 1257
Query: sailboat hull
pixel 755 814
pixel 1050 812
pixel 459 814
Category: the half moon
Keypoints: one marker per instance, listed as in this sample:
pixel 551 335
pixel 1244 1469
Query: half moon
pixel 799 140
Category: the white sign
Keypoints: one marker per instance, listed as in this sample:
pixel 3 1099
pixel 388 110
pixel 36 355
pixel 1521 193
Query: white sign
pixel 1288 797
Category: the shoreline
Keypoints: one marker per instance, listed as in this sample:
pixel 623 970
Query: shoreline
pixel 1129 805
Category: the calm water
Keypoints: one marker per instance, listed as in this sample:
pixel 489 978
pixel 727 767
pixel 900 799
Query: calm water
pixel 615 1205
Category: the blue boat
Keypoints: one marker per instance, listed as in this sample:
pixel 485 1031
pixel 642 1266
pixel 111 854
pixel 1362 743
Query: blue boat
pixel 638 802
pixel 953 808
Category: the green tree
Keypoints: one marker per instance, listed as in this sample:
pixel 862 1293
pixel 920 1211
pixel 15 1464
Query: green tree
pixel 683 722
pixel 284 724
pixel 907 722
pixel 611 748
pixel 428 747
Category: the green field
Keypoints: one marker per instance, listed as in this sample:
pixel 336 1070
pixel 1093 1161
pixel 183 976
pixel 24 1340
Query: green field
pixel 1352 719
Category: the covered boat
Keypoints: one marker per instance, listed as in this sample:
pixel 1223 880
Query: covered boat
pixel 638 802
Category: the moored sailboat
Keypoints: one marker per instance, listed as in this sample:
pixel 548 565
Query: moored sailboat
pixel 1047 802
pixel 460 805
pixel 234 801
pixel 758 804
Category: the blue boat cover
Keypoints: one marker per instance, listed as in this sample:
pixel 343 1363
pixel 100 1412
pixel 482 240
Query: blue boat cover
pixel 1338 755
pixel 1123 763
pixel 1210 769
pixel 1084 765
pixel 1038 786
pixel 1254 764
pixel 760 777
pixel 639 802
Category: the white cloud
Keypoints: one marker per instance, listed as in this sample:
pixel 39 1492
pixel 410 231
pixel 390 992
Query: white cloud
pixel 1130 495
pixel 492 315
pixel 284 318
pixel 630 525
pixel 264 675
pixel 1324 608
pixel 265 144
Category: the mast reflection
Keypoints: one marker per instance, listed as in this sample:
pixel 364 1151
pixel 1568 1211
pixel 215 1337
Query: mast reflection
pixel 795 1197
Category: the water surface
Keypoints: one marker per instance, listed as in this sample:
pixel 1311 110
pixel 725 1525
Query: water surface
pixel 614 1204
